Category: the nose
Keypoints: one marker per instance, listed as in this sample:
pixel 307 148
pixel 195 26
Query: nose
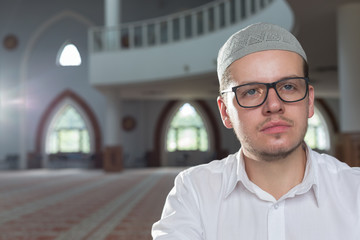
pixel 273 104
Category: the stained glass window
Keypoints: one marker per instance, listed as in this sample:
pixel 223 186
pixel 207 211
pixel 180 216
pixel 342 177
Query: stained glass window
pixel 187 131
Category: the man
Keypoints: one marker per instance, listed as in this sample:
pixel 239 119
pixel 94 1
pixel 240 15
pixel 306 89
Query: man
pixel 275 187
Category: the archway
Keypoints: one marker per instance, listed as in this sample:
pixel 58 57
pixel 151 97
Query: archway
pixel 322 128
pixel 157 157
pixel 24 65
pixel 69 98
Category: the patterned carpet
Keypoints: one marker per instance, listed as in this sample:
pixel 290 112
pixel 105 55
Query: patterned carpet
pixel 82 204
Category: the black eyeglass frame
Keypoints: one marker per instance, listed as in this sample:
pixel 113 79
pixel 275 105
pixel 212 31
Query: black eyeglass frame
pixel 268 86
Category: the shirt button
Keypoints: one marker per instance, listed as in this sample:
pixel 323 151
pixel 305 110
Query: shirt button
pixel 276 206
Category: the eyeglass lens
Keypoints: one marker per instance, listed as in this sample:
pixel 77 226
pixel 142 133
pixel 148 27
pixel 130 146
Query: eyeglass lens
pixel 254 94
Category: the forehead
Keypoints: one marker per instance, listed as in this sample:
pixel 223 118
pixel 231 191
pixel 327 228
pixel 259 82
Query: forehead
pixel 267 66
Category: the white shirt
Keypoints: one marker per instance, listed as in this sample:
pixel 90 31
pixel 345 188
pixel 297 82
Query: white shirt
pixel 217 201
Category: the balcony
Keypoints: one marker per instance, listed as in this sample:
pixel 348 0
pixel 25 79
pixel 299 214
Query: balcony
pixel 174 55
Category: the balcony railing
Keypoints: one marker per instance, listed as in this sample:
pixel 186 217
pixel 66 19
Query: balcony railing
pixel 175 27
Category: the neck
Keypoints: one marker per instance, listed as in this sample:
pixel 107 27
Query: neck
pixel 278 176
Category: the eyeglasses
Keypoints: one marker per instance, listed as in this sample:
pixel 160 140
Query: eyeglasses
pixel 252 95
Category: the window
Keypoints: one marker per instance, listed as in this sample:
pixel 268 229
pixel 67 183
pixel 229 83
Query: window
pixel 317 135
pixel 68 133
pixel 69 55
pixel 187 131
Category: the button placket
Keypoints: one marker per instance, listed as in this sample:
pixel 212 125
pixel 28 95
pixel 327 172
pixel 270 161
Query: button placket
pixel 276 221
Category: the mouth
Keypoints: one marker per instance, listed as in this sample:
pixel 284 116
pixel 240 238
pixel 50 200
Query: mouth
pixel 275 127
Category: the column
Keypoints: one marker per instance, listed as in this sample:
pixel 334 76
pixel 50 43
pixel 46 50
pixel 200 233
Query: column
pixel 112 22
pixel 112 12
pixel 348 26
pixel 2 122
pixel 113 152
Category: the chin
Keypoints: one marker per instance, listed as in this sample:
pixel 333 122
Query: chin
pixel 275 155
pixel 271 152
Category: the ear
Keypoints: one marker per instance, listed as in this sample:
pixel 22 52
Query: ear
pixel 224 112
pixel 311 101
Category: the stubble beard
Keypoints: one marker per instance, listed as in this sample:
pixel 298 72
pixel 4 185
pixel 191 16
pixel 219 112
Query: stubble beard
pixel 272 154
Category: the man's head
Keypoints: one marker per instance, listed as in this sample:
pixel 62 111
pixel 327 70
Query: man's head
pixel 255 38
pixel 270 108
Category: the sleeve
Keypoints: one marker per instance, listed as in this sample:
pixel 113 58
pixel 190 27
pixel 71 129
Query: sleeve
pixel 180 218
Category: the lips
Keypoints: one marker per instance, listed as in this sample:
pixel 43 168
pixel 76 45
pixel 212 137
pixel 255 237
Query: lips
pixel 275 127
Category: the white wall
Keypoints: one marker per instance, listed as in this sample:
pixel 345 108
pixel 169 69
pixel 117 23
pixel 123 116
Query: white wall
pixel 29 77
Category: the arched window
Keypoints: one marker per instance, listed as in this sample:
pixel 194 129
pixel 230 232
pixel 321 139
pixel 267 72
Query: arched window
pixel 68 133
pixel 69 55
pixel 187 131
pixel 317 135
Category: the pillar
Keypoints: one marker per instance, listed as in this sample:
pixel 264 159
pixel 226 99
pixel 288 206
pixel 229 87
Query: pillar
pixel 112 13
pixel 112 21
pixel 113 152
pixel 348 26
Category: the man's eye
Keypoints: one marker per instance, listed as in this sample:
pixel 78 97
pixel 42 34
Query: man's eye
pixel 288 87
pixel 251 92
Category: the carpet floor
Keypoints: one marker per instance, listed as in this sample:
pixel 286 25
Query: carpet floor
pixel 74 204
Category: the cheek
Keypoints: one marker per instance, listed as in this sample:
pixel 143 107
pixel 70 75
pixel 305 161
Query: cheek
pixel 301 120
pixel 243 123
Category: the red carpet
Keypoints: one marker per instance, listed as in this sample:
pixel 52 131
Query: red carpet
pixel 81 204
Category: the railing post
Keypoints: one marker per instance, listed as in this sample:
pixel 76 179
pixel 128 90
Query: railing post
pixel 170 29
pixel 194 24
pixel 103 33
pixel 182 27
pixel 227 13
pixel 131 32
pixel 157 32
pixel 267 2
pixel 257 5
pixel 237 10
pixel 91 36
pixel 216 16
pixel 102 36
pixel 144 35
pixel 206 20
pixel 248 11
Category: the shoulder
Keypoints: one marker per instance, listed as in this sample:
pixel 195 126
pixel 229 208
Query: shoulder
pixel 334 168
pixel 211 169
pixel 210 178
pixel 339 184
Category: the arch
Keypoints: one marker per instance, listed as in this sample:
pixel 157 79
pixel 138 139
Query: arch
pixel 24 69
pixel 328 114
pixel 188 123
pixel 330 124
pixel 52 109
pixel 317 135
pixel 57 139
pixel 165 116
pixel 41 29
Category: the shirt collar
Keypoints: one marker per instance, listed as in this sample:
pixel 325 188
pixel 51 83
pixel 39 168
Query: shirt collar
pixel 310 182
pixel 311 178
